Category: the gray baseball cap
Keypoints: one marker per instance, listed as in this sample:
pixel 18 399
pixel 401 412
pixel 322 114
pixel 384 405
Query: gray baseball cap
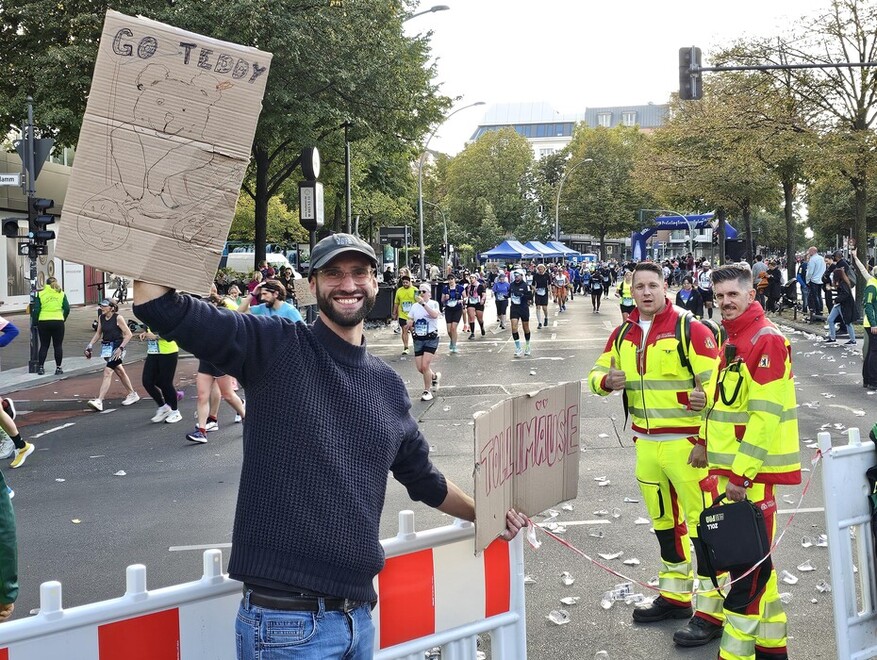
pixel 336 245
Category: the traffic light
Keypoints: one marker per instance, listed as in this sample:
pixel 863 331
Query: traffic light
pixel 715 236
pixel 38 220
pixel 10 227
pixel 690 76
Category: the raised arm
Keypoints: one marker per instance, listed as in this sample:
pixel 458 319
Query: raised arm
pixel 863 269
pixel 144 292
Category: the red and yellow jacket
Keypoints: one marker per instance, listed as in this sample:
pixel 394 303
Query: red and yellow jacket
pixel 658 384
pixel 751 419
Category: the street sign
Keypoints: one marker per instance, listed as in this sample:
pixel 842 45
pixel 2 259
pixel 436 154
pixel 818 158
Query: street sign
pixel 10 179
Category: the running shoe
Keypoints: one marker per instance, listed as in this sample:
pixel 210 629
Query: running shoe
pixel 133 397
pixel 211 425
pixel 9 407
pixel 405 351
pixel 851 342
pixel 519 352
pixel 58 371
pixel 173 417
pixel 161 414
pixel 41 371
pixel 21 455
pixel 198 436
pixel 539 327
pixel 527 350
pixel 829 340
pixel 7 448
pixel 472 336
pixel 97 404
pixel 237 418
pixel 426 396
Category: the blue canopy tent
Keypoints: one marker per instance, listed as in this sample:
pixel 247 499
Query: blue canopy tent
pixel 567 251
pixel 509 251
pixel 544 251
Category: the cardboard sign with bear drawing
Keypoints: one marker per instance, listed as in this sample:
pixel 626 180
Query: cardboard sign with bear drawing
pixel 163 150
pixel 526 457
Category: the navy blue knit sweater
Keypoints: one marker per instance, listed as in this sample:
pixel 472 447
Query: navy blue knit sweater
pixel 326 423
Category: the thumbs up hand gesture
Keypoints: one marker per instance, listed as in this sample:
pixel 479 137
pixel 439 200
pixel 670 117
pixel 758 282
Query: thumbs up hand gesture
pixel 615 379
pixel 697 397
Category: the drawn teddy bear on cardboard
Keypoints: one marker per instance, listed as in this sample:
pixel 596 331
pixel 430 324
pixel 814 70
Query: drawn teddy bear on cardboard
pixel 162 169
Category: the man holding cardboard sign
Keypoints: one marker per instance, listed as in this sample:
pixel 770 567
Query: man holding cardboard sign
pixel 316 453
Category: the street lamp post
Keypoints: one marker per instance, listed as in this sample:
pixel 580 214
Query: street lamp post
pixel 445 252
pixel 349 214
pixel 557 201
pixel 420 184
pixel 431 10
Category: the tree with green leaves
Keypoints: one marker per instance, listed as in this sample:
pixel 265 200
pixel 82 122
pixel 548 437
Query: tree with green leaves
pixel 330 65
pixel 842 100
pixel 600 197
pixel 489 188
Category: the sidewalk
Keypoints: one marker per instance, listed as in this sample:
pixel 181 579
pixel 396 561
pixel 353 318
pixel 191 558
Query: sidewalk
pixel 77 333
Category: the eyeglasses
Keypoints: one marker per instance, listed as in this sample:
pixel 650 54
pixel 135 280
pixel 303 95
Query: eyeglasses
pixel 337 275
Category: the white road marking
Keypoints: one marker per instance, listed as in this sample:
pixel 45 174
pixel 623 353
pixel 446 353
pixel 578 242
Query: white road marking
pixel 208 546
pixel 57 428
pixel 553 336
pixel 814 509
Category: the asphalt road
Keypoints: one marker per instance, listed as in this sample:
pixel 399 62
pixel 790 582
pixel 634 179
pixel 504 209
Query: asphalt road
pixel 82 522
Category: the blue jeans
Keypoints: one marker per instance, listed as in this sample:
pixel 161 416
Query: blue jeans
pixel 815 298
pixel 834 316
pixel 263 634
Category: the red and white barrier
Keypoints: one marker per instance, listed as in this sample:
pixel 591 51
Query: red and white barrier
pixel 433 592
pixel 854 596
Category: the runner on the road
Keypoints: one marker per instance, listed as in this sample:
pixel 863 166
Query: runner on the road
pixel 501 296
pixel 596 291
pixel 705 287
pixel 560 282
pixel 520 296
pixel 159 369
pixel 113 334
pixel 476 293
pixel 402 302
pixel 424 316
pixel 541 282
pixel 452 298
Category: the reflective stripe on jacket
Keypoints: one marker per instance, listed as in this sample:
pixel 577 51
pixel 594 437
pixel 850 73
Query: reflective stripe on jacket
pixel 751 419
pixel 657 384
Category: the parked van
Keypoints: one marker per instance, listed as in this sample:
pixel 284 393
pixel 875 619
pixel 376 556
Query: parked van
pixel 242 262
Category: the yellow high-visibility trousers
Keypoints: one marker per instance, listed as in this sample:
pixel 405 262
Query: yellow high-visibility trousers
pixel 671 492
pixel 755 621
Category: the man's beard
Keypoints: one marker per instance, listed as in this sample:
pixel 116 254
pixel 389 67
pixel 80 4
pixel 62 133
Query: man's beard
pixel 349 320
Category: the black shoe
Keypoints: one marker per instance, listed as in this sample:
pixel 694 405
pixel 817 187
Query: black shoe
pixel 472 336
pixel 41 372
pixel 659 610
pixel 697 633
pixel 58 371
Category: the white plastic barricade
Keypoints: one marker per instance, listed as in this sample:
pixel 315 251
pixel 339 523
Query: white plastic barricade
pixel 433 592
pixel 848 527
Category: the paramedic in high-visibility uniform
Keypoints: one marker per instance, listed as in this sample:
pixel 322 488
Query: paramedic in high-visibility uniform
pixel 665 398
pixel 751 434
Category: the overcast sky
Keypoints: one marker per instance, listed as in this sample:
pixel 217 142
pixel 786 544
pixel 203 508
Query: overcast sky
pixel 575 54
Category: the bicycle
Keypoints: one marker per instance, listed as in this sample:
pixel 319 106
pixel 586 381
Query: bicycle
pixel 121 293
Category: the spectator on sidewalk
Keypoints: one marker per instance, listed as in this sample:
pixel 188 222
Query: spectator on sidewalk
pixel 774 290
pixel 273 296
pixel 815 272
pixel 687 297
pixel 758 268
pixel 50 311
pixel 113 334
pixel 844 306
pixel 869 349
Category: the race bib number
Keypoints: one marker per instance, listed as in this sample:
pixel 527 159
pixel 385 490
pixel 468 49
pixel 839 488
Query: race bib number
pixel 500 296
pixel 406 307
pixel 541 292
pixel 421 328
pixel 106 349
pixel 152 347
pixel 474 300
pixel 596 286
pixel 451 303
pixel 516 300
